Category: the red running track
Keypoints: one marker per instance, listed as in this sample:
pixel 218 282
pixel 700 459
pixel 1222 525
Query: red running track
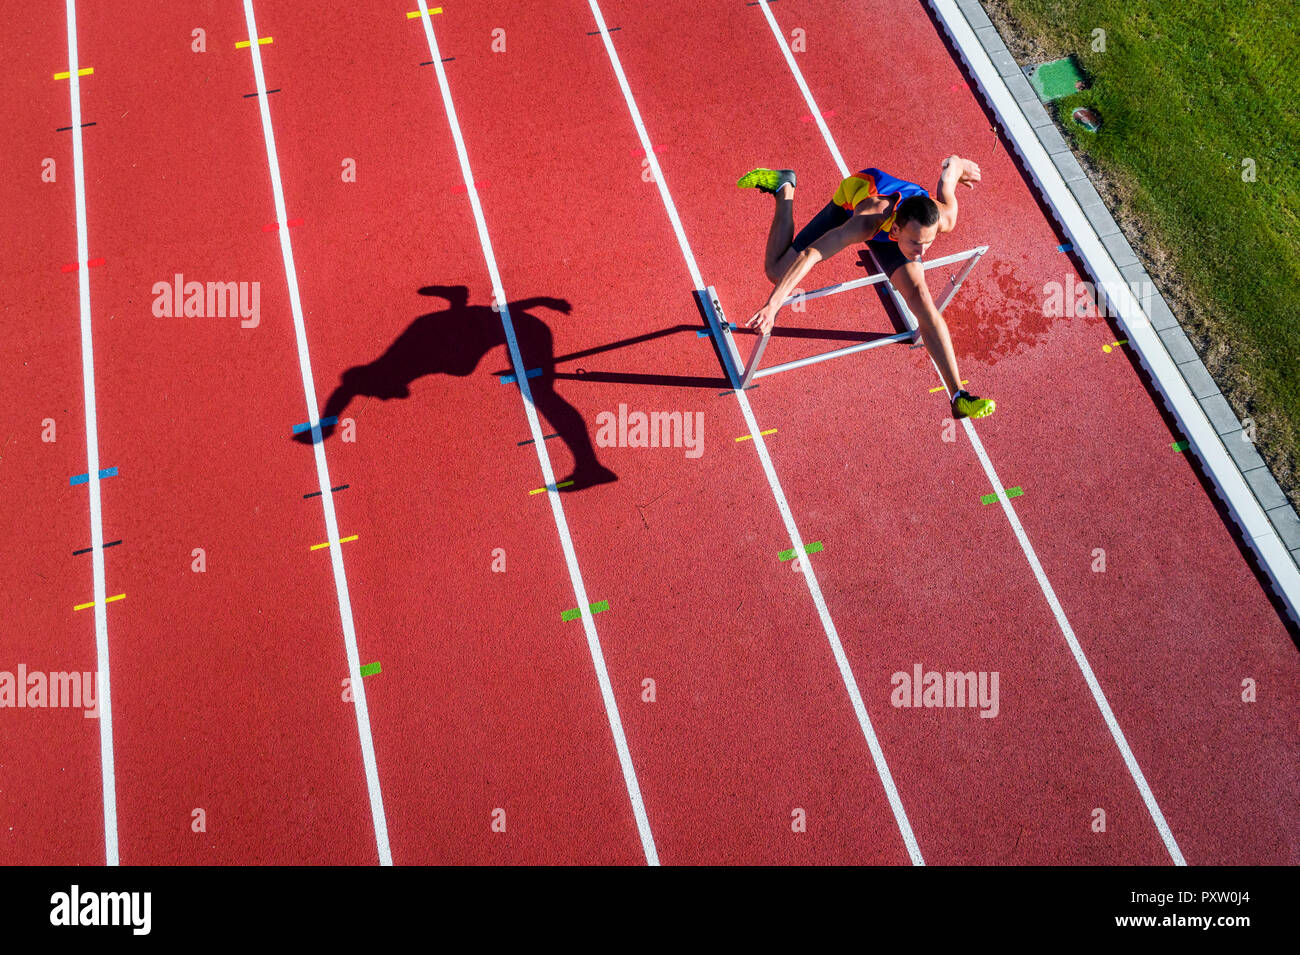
pixel 227 684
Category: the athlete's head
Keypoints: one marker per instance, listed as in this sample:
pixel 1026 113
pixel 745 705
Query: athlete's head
pixel 916 223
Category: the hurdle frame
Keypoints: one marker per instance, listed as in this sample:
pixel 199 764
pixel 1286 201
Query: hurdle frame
pixel 742 373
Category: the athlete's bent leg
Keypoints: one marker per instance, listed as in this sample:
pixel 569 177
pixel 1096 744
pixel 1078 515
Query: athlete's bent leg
pixel 778 183
pixel 778 255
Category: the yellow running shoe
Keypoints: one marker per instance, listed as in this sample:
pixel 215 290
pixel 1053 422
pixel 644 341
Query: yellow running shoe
pixel 766 180
pixel 969 406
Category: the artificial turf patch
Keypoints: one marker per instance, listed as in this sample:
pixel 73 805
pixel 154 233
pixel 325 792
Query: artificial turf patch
pixel 1058 78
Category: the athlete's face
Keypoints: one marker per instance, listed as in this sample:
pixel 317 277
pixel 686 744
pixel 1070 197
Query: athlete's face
pixel 913 239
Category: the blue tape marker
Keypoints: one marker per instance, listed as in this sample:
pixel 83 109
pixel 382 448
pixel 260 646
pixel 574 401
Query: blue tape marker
pixel 510 379
pixel 85 478
pixel 705 333
pixel 1064 248
pixel 306 426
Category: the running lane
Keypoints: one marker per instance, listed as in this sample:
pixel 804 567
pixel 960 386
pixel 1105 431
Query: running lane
pixel 1177 620
pixel 918 573
pixel 51 807
pixel 736 715
pixel 491 735
pixel 227 652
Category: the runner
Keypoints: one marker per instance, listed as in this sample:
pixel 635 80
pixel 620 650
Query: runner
pixel 898 220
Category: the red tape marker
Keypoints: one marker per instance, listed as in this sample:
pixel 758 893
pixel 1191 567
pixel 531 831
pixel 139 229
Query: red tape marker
pixel 642 152
pixel 271 227
pixel 826 114
pixel 73 266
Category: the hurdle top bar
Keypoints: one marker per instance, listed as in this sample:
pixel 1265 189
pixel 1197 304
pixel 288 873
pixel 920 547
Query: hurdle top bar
pixel 956 17
pixel 880 277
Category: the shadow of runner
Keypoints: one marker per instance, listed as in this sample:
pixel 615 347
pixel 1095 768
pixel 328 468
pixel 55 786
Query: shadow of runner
pixel 452 341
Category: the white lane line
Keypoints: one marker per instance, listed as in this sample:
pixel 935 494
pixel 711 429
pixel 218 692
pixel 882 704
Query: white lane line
pixel 1067 631
pixel 544 459
pixel 322 472
pixel 809 576
pixel 1107 714
pixel 109 781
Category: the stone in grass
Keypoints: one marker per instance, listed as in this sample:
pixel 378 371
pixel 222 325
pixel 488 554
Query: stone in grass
pixel 1087 118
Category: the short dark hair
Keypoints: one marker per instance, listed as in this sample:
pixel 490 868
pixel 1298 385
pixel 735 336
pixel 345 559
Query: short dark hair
pixel 919 209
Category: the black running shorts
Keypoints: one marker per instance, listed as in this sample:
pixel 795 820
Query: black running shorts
pixel 887 253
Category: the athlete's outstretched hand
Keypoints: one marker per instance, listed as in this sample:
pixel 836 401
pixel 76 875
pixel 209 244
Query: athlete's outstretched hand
pixel 763 319
pixel 966 170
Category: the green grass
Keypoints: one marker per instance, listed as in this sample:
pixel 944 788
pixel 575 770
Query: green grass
pixel 1188 89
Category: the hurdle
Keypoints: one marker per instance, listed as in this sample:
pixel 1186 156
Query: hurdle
pixel 742 373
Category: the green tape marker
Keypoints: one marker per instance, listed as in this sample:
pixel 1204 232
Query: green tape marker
pixel 370 669
pixel 1179 445
pixel 812 548
pixel 1010 492
pixel 576 612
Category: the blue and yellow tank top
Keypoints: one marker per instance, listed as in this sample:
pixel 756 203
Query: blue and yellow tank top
pixel 868 183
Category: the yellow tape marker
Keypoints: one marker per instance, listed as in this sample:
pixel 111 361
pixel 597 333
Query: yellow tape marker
pixel 342 540
pixel 432 10
pixel 262 41
pixel 747 437
pixel 1107 348
pixel 942 387
pixel 92 603
pixel 557 487
pixel 65 76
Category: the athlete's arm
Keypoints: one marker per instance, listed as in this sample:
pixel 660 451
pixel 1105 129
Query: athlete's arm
pixel 858 229
pixel 956 171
